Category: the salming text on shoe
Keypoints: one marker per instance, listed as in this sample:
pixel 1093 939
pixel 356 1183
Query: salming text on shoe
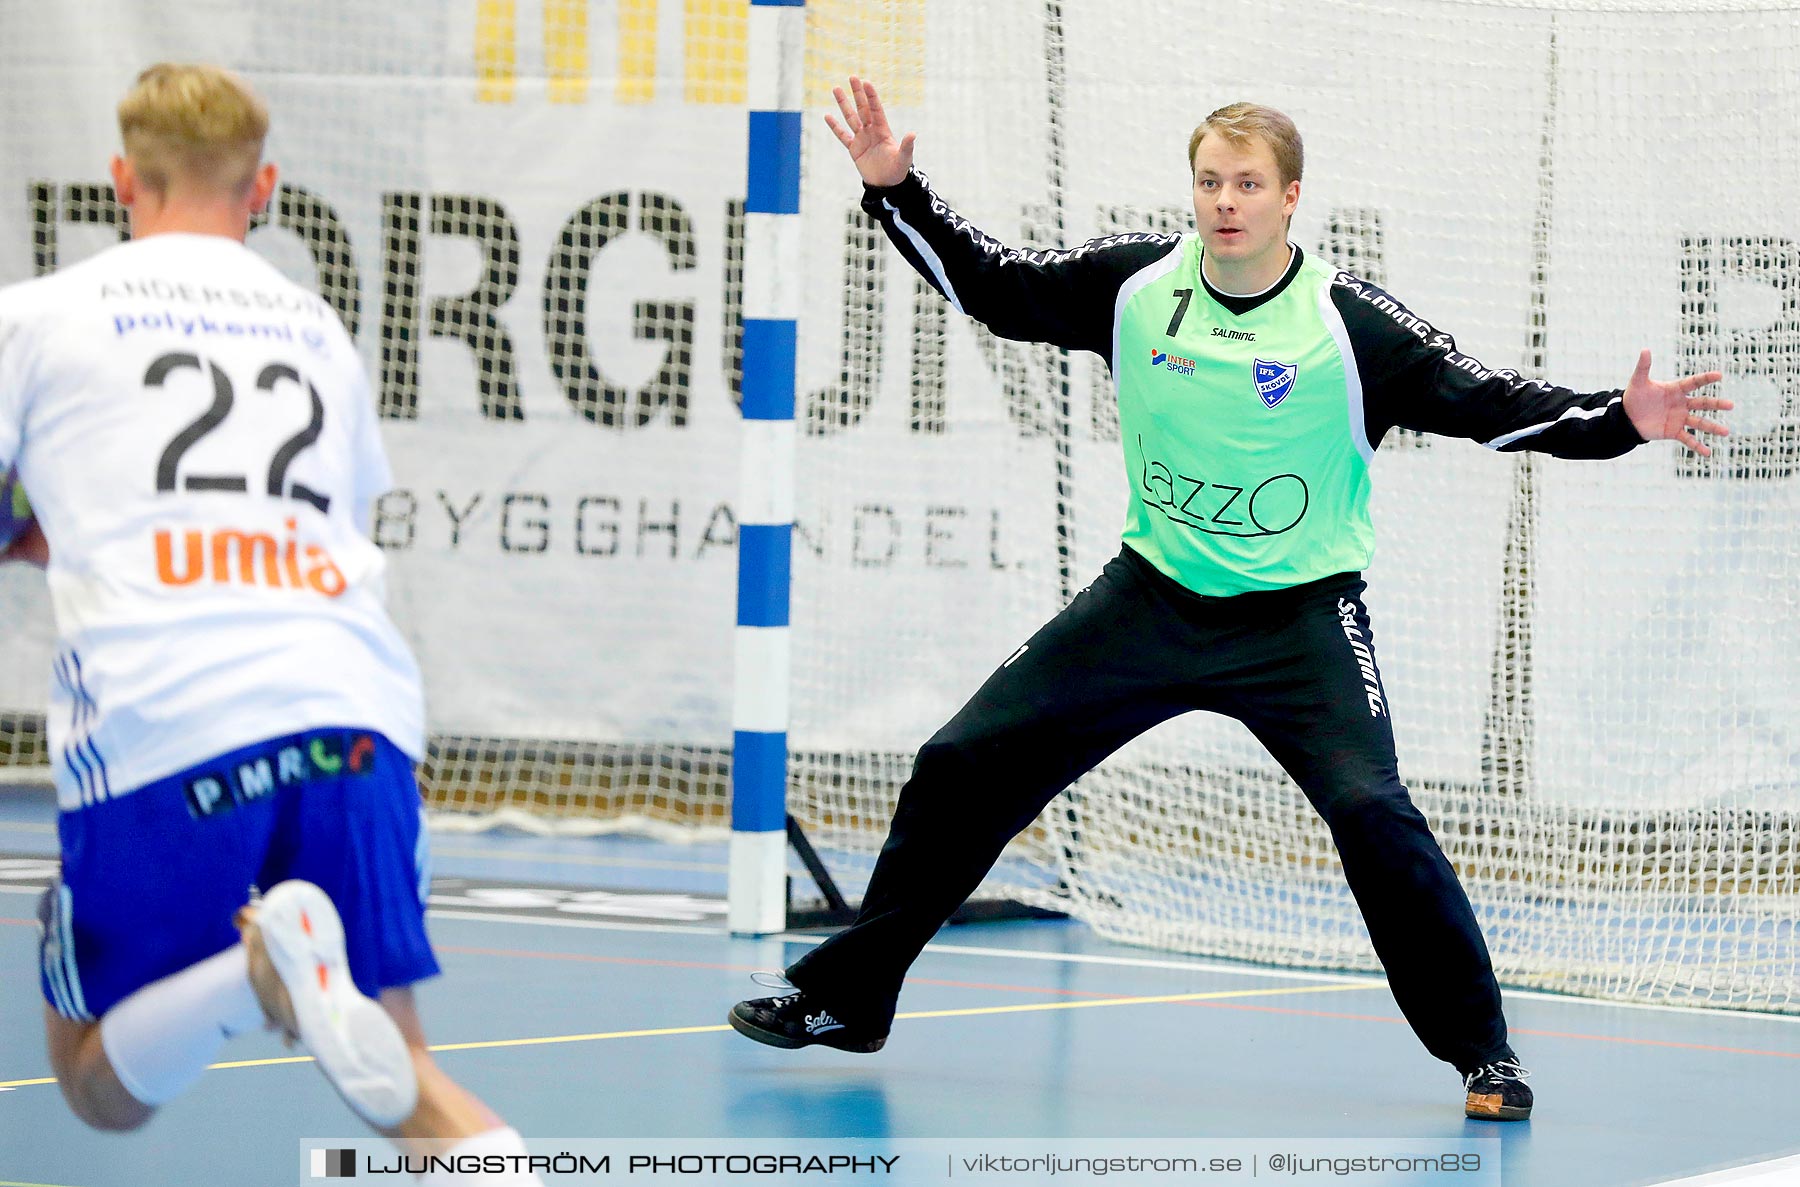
pixel 792 1020
pixel 1498 1092
pixel 355 1042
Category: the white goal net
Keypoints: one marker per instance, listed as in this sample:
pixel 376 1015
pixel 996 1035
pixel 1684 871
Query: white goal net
pixel 531 214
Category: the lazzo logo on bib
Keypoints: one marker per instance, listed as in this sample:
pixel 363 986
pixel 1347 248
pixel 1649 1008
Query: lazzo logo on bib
pixel 1274 380
pixel 1248 508
pixel 1173 362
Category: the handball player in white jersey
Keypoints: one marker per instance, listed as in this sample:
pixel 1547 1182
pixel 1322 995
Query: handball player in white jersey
pixel 234 719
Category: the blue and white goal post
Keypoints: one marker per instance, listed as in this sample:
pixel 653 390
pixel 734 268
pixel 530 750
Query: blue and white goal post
pixel 760 714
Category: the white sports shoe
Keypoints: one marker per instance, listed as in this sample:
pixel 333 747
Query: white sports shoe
pixel 355 1042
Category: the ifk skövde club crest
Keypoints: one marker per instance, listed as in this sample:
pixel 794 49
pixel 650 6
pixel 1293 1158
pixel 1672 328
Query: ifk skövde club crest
pixel 1274 380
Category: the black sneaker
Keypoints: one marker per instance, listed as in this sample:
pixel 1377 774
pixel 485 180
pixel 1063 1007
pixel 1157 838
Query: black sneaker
pixel 1498 1092
pixel 793 1021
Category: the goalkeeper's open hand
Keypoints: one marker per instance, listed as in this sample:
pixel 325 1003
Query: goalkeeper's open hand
pixel 1666 412
pixel 865 134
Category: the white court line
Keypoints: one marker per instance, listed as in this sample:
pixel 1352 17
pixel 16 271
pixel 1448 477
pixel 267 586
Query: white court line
pixel 1782 1172
pixel 580 859
pixel 671 929
pixel 1132 962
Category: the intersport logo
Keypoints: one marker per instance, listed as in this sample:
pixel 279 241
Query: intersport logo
pixel 1173 362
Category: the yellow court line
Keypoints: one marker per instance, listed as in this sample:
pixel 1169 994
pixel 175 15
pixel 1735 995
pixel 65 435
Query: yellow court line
pixel 1161 999
pixel 591 1038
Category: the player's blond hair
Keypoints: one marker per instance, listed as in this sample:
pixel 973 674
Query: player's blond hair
pixel 1240 123
pixel 197 125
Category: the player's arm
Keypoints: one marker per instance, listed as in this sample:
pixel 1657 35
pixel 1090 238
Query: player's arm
pixel 1063 297
pixel 1413 376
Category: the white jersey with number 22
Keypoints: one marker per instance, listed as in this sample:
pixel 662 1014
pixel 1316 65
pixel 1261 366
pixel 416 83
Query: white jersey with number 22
pixel 197 436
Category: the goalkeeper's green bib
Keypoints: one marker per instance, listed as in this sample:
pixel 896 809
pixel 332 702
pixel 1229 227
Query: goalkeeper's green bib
pixel 1243 434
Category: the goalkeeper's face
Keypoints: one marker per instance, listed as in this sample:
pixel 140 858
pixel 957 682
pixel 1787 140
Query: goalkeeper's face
pixel 1241 207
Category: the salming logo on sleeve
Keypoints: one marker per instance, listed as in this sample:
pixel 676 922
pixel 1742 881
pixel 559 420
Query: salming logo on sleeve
pixel 1425 332
pixel 959 225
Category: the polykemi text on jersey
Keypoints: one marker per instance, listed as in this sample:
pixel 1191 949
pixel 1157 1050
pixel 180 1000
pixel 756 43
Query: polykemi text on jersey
pixel 163 318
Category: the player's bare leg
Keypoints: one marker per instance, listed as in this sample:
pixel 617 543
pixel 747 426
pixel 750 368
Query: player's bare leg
pixel 86 1076
pixel 147 1048
pixel 447 1112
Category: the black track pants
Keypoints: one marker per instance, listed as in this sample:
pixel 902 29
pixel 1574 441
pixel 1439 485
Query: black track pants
pixel 1135 648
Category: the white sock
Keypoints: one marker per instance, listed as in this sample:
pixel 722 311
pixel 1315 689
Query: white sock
pixel 161 1038
pixel 495 1141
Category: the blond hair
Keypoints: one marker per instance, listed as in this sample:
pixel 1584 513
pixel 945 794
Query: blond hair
pixel 1240 123
pixel 195 125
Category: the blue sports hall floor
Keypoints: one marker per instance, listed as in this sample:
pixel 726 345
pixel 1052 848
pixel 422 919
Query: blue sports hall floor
pixel 584 993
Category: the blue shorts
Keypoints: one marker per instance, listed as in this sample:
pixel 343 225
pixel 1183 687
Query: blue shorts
pixel 151 879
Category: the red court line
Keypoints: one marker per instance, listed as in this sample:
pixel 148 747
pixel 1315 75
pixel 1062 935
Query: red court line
pixel 1557 1034
pixel 18 922
pixel 1298 1013
pixel 1542 1034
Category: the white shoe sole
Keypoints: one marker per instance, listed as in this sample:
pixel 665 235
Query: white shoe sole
pixel 355 1042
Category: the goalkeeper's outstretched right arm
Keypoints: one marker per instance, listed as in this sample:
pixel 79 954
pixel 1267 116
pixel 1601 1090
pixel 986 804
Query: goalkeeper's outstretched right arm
pixel 1063 297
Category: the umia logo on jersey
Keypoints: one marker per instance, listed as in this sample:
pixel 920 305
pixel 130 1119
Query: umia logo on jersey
pixel 230 556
